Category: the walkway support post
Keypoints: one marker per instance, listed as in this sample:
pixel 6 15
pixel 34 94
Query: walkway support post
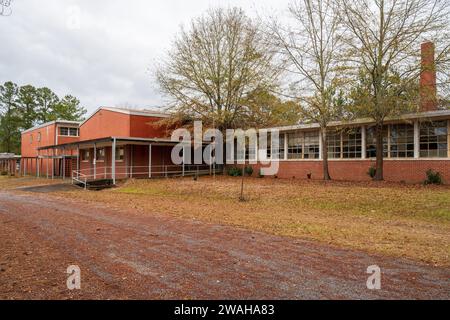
pixel 53 163
pixel 46 162
pixel 150 160
pixel 131 161
pixel 95 160
pixel 37 166
pixel 78 158
pixel 64 163
pixel 113 161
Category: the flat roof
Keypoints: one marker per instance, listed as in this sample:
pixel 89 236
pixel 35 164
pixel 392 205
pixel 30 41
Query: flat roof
pixel 50 123
pixel 108 139
pixel 9 156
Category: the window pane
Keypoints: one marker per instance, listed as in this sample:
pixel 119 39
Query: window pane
pixel 73 132
pixel 120 152
pixel 334 144
pixel 63 131
pixel 311 150
pixel 433 139
pixel 100 154
pixel 351 143
pixel 280 153
pixel 402 141
pixel 295 145
pixel 84 154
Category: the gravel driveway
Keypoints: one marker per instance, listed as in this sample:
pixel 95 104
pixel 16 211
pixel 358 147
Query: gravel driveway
pixel 124 254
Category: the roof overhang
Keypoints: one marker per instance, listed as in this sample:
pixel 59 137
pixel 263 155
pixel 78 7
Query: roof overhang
pixel 106 141
pixel 65 122
pixel 363 121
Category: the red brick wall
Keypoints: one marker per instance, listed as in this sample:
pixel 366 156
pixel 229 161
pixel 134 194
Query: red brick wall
pixel 105 123
pixel 146 127
pixel 411 171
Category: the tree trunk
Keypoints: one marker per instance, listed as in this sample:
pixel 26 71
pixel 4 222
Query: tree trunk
pixel 241 197
pixel 379 150
pixel 326 173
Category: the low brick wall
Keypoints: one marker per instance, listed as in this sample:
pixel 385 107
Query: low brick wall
pixel 410 171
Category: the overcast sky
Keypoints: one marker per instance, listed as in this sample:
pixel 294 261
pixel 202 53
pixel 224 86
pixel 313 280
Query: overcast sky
pixel 103 51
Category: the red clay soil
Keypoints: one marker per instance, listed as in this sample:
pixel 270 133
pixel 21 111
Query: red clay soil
pixel 126 255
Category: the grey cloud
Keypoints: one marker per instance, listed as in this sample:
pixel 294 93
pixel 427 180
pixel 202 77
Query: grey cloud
pixel 110 58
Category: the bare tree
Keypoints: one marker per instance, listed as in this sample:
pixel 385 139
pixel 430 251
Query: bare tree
pixel 214 66
pixel 310 47
pixel 383 42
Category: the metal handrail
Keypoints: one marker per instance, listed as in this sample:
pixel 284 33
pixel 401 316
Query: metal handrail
pixel 105 172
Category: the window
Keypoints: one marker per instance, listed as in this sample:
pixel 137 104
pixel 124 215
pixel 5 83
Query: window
pixel 371 145
pixel 65 131
pixel 401 140
pixel 73 132
pixel 351 143
pixel 120 153
pixel 334 144
pixel 311 149
pixel 84 155
pixel 100 156
pixel 295 145
pixel 39 137
pixel 433 139
pixel 246 153
pixel 280 154
pixel 250 150
pixel 303 145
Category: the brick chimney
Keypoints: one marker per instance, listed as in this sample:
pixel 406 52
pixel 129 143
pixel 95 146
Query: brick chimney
pixel 428 99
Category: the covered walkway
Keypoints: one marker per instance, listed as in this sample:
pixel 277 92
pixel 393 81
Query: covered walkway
pixel 9 163
pixel 115 158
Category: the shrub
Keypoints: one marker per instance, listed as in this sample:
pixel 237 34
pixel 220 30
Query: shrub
pixel 248 170
pixel 372 172
pixel 433 177
pixel 234 171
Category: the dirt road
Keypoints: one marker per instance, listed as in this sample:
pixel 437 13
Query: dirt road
pixel 124 254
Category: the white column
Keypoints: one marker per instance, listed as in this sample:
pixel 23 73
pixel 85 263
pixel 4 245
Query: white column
pixel 131 161
pixel 416 139
pixel 363 142
pixel 320 144
pixel 64 164
pixel 285 146
pixel 95 160
pixel 150 160
pixel 37 165
pixel 78 158
pixel 113 161
pixel 53 163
